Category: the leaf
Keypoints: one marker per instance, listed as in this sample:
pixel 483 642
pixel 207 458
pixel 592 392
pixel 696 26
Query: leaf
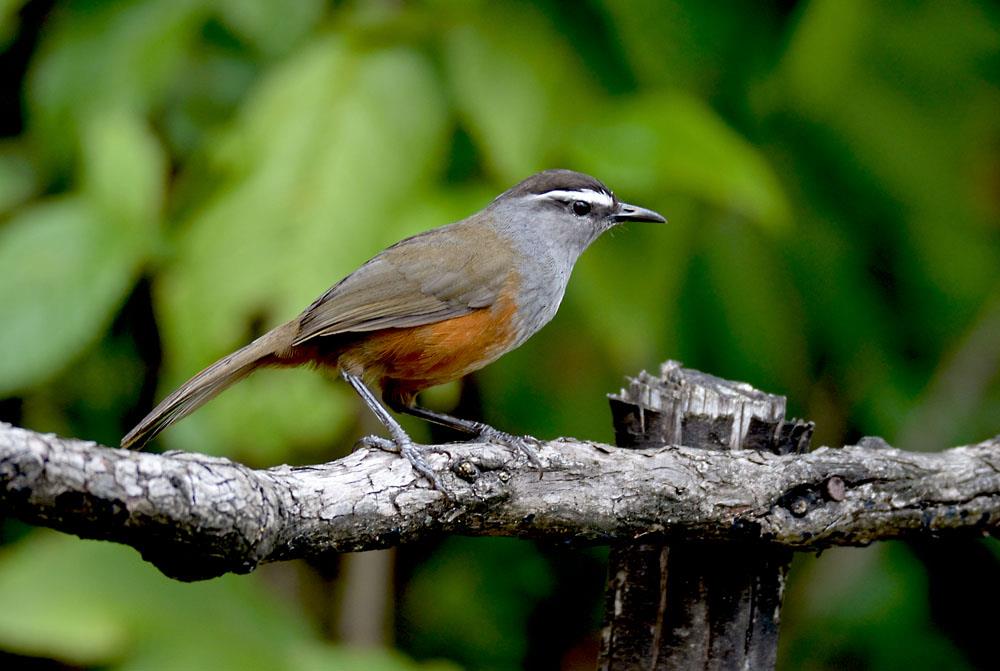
pixel 273 26
pixel 757 333
pixel 869 604
pixel 92 603
pixel 101 56
pixel 327 657
pixel 828 39
pixel 476 595
pixel 63 272
pixel 673 143
pixel 8 20
pixel 695 46
pixel 18 180
pixel 516 90
pixel 124 168
pixel 905 97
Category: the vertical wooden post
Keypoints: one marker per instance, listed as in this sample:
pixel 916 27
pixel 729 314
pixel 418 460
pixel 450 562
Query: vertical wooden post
pixel 691 605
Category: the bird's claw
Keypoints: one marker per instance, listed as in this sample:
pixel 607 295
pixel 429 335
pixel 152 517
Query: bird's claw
pixel 525 444
pixel 414 453
pixel 379 443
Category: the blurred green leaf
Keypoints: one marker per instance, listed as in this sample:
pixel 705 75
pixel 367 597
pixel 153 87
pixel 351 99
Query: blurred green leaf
pixel 93 603
pixel 63 273
pixel 106 55
pixel 475 595
pixel 870 605
pixel 913 119
pixel 674 143
pixel 516 90
pixel 18 181
pixel 86 398
pixel 90 602
pixel 328 658
pixel 98 604
pixel 272 26
pixel 757 312
pixel 124 169
pixel 8 20
pixel 691 45
pixel 825 50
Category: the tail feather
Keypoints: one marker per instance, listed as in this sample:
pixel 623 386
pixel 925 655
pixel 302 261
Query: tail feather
pixel 207 384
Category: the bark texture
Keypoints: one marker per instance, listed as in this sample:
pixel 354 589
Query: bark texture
pixel 197 517
pixel 697 605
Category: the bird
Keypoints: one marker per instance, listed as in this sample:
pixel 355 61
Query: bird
pixel 431 309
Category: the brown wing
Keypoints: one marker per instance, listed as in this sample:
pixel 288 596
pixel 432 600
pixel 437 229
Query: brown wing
pixel 444 273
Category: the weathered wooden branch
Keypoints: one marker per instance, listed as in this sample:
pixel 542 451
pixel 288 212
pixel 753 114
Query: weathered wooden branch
pixel 197 517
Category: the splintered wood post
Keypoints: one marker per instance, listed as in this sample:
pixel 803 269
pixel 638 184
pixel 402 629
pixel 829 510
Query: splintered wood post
pixel 689 605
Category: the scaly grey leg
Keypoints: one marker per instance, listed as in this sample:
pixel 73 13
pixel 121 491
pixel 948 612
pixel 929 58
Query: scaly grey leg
pixel 402 442
pixel 480 429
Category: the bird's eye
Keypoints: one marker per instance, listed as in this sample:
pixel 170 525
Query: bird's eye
pixel 581 207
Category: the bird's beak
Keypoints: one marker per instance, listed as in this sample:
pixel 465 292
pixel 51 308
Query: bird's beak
pixel 626 212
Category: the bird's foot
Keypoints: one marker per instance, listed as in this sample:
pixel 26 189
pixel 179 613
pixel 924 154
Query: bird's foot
pixel 379 443
pixel 414 453
pixel 526 444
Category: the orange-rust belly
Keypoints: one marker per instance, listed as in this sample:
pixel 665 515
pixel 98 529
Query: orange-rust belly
pixel 406 360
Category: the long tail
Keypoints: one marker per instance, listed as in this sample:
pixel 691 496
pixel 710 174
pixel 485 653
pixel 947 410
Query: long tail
pixel 205 385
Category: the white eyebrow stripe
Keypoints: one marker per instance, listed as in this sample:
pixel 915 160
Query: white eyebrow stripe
pixel 586 195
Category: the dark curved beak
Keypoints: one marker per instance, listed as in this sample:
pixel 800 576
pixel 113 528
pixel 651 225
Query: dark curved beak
pixel 626 212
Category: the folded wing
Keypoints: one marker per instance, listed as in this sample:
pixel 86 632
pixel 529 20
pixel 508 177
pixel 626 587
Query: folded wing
pixel 441 274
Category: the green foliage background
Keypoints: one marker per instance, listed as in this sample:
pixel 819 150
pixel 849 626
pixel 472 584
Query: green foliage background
pixel 176 175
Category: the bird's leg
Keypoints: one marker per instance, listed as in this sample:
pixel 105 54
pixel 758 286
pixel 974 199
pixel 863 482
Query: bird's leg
pixel 400 440
pixel 480 429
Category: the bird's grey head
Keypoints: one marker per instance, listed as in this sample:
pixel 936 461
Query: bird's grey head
pixel 565 207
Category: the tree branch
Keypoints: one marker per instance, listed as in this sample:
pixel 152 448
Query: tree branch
pixel 197 517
